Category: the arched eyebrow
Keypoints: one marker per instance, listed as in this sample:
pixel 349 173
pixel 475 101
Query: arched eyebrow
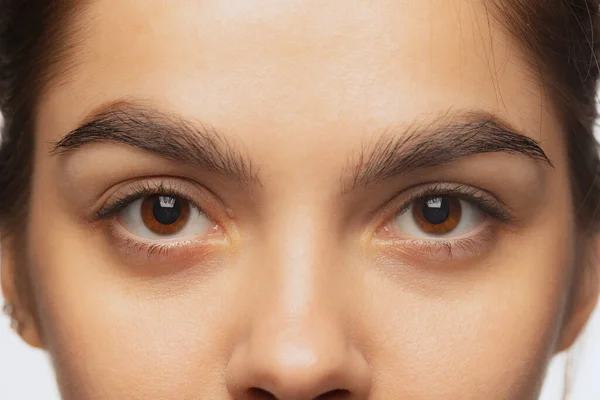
pixel 445 140
pixel 166 135
pixel 422 145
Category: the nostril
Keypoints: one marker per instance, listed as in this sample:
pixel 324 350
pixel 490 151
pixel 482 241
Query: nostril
pixel 337 394
pixel 260 394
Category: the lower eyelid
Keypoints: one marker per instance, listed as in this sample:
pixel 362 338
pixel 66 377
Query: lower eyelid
pixel 178 254
pixel 441 250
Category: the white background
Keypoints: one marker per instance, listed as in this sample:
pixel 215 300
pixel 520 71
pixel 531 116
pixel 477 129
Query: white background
pixel 25 374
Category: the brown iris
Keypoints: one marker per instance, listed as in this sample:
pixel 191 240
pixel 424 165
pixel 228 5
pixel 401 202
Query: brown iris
pixel 437 215
pixel 164 214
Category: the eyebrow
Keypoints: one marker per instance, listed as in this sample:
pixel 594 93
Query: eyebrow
pixel 439 142
pixel 445 140
pixel 166 135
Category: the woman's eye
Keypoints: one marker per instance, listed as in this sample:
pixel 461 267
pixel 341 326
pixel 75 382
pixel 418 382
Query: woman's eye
pixel 438 217
pixel 164 217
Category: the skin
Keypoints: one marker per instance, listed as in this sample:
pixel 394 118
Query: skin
pixel 306 289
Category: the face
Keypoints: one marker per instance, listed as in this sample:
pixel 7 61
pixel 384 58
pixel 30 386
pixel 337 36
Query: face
pixel 299 200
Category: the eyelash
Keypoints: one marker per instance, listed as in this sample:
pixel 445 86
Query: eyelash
pixel 156 250
pixel 485 202
pixel 139 191
pixel 490 205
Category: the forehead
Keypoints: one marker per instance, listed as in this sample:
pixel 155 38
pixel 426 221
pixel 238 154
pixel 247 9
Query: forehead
pixel 265 67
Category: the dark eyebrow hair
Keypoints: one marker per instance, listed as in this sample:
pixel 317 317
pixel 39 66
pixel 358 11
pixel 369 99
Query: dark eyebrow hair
pixel 445 140
pixel 163 134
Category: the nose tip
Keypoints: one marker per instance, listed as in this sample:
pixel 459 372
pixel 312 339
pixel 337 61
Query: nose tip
pixel 301 365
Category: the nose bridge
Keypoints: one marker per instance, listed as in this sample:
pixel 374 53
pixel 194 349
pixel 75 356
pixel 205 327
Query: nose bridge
pixel 298 307
pixel 296 345
pixel 300 253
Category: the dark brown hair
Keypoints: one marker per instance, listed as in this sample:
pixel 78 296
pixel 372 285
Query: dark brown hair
pixel 560 39
pixel 37 41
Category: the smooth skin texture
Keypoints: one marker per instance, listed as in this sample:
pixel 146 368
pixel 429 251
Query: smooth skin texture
pixel 304 285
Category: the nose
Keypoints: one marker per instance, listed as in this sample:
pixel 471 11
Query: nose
pixel 301 358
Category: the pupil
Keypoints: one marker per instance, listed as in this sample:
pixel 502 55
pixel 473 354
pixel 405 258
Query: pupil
pixel 436 210
pixel 167 209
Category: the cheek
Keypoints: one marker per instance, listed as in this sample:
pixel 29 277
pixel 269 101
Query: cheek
pixel 122 339
pixel 490 332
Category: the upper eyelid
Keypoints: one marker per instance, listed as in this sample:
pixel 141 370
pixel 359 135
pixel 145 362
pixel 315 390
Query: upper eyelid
pixel 125 201
pixel 138 191
pixel 467 193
